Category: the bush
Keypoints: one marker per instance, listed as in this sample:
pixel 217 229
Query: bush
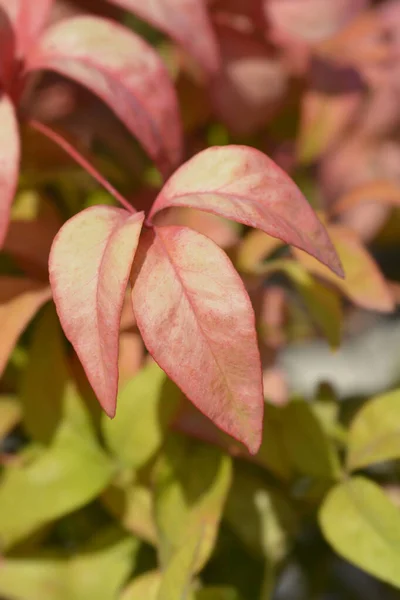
pixel 199 210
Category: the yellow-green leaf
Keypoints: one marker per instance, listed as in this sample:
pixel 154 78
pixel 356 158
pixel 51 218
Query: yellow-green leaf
pixel 45 379
pixel 145 408
pixel 144 587
pixel 374 434
pixel 363 526
pixel 217 593
pixel 133 506
pixel 64 477
pixel 95 573
pixel 177 578
pixel 191 485
pixel 10 414
pixel 269 517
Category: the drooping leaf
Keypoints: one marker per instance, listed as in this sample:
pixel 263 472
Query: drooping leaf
pixel 374 434
pixel 191 485
pixel 20 299
pixel 144 586
pixel 364 284
pixel 243 184
pixel 89 265
pixel 186 21
pixel 363 526
pixel 125 72
pixel 146 406
pixel 9 160
pixel 45 379
pixel 202 332
pixel 64 477
pixel 74 578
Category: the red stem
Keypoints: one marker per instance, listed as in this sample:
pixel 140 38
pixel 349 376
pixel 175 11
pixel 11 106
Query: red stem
pixel 81 160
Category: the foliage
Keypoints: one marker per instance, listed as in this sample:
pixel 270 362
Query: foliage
pixel 187 187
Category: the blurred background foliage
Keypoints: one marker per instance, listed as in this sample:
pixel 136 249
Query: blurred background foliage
pixel 158 504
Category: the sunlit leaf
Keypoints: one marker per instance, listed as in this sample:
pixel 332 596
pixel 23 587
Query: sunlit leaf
pixel 144 586
pixel 89 265
pixel 364 284
pixel 176 580
pixel 9 160
pixel 191 484
pixel 254 249
pixel 242 184
pixel 202 333
pixel 363 526
pixel 380 191
pixel 186 21
pixel 20 299
pixel 125 72
pixel 75 578
pixel 146 405
pixel 64 477
pixel 374 434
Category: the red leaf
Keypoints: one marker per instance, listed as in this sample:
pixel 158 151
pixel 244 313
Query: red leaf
pixel 186 21
pixel 241 183
pixel 197 322
pixel 90 263
pixel 9 161
pixel 125 72
pixel 20 299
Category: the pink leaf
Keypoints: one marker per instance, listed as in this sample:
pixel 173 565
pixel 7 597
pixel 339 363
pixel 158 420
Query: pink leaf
pixel 90 263
pixel 242 184
pixel 9 161
pixel 20 299
pixel 125 72
pixel 186 21
pixel 250 87
pixel 312 20
pixel 28 18
pixel 197 322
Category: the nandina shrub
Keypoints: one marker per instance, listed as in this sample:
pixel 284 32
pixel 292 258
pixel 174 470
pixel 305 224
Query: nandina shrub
pixel 162 415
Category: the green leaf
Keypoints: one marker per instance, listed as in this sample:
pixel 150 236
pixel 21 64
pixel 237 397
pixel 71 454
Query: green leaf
pixel 363 526
pixel 374 435
pixel 269 521
pixel 45 379
pixel 177 579
pixel 145 408
pixel 144 587
pixel 133 506
pixel 308 446
pixel 192 481
pixel 273 454
pixel 217 593
pixel 64 477
pixel 10 414
pixel 95 573
pixel 323 303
